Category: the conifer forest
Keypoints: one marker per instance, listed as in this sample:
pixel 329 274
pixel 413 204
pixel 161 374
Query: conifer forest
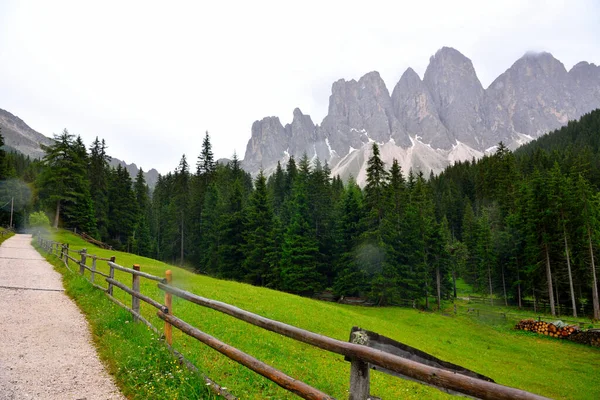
pixel 516 225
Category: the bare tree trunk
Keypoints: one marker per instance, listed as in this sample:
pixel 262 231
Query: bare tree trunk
pixel 504 287
pixel 518 284
pixel 181 257
pixel 490 282
pixel 439 287
pixel 594 281
pixel 57 215
pixel 569 271
pixel 454 281
pixel 549 278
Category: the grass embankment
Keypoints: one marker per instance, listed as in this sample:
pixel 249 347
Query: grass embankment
pixel 5 234
pixel 143 367
pixel 542 365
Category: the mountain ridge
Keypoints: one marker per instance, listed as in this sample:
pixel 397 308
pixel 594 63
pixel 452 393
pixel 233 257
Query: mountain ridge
pixel 21 137
pixel 431 122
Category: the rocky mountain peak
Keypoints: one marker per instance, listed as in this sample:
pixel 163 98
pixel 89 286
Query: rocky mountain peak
pixel 535 65
pixel 415 109
pixel 428 123
pixel 267 144
pixel 457 94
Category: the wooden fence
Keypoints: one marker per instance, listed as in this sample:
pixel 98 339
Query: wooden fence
pixel 361 357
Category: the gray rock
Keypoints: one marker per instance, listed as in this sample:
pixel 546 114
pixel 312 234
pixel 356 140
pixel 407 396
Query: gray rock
pixel 268 144
pixel 20 137
pixel 457 95
pixel 532 97
pixel 359 112
pixel 585 81
pixel 414 107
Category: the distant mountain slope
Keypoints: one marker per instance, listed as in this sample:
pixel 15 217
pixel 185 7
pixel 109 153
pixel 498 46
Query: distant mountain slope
pixel 20 137
pixel 429 123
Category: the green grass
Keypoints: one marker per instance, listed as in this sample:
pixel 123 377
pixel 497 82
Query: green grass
pixel 542 365
pixel 6 234
pixel 142 366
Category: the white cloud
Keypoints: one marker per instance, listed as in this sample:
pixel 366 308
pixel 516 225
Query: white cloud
pixel 151 77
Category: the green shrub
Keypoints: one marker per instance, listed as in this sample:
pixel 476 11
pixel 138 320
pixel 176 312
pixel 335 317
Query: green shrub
pixel 39 219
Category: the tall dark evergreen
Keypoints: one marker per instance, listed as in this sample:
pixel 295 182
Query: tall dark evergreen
pixel 259 237
pixel 64 183
pixel 98 173
pixel 300 255
pixel 142 243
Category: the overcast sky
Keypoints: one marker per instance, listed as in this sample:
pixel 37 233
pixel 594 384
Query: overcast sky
pixel 151 77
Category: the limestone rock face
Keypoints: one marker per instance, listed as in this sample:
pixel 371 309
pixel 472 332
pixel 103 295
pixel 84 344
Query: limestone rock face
pixel 268 143
pixel 19 136
pixel 415 109
pixel 360 112
pixel 585 81
pixel 457 94
pixel 532 97
pixel 427 124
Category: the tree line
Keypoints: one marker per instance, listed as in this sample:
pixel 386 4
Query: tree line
pixel 516 226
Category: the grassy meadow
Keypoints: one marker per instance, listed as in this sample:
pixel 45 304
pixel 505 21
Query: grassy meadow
pixel 542 365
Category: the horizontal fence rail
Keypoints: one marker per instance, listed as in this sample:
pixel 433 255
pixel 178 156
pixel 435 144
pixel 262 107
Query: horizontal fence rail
pixel 358 354
pixel 295 386
pixel 435 376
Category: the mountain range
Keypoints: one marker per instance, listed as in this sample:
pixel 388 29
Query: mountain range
pixel 18 136
pixel 427 124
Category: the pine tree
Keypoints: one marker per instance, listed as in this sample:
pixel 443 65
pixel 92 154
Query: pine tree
pixel 122 208
pixel 350 279
pixel 231 254
pixel 98 173
pixel 181 203
pixel 64 183
pixel 300 251
pixel 206 160
pixel 258 235
pixel 143 241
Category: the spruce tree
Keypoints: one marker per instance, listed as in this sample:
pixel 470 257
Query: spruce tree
pixel 98 173
pixel 258 235
pixel 300 251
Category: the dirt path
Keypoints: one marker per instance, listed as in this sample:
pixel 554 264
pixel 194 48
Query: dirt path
pixel 45 346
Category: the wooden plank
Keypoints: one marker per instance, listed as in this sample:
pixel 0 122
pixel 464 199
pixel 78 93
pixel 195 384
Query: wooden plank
pixel 424 373
pixel 111 275
pixel 138 273
pixel 360 384
pixel 135 287
pixel 295 386
pixel 93 271
pixel 169 304
pixel 391 346
pixel 138 295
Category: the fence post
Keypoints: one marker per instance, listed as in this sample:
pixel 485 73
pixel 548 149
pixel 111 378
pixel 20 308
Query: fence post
pixel 360 384
pixel 111 275
pixel 169 305
pixel 135 286
pixel 82 263
pixel 93 274
pixel 67 255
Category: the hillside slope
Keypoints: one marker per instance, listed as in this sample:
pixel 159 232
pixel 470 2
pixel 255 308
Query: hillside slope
pixel 539 365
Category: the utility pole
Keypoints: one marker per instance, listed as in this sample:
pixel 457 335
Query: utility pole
pixel 12 202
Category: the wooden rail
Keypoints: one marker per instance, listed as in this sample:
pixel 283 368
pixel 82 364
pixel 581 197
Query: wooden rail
pixel 361 356
pixel 421 372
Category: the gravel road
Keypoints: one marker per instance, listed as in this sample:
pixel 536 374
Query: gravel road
pixel 45 345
